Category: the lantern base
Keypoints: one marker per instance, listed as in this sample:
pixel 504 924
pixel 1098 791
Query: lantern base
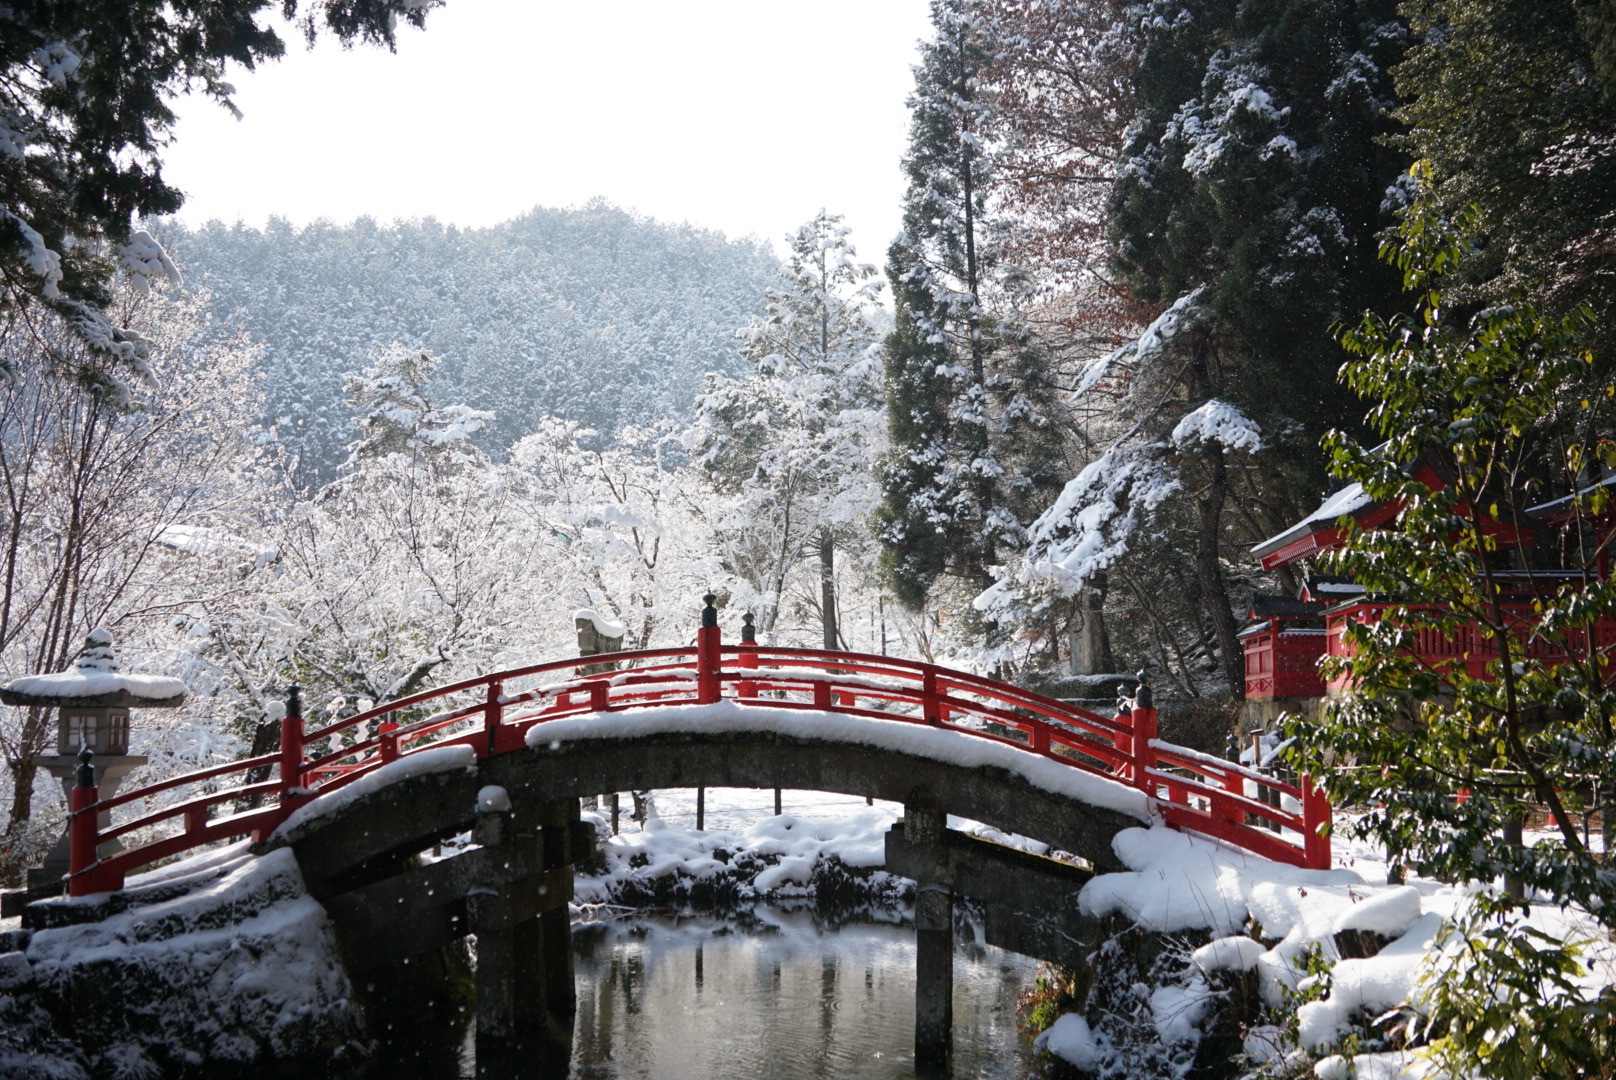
pixel 110 769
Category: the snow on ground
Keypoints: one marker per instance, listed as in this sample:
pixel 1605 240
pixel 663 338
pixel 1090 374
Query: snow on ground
pixel 1265 917
pixel 741 808
pixel 786 847
pixel 773 855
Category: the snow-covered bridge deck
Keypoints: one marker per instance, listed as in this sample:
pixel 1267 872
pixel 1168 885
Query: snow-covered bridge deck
pixel 874 706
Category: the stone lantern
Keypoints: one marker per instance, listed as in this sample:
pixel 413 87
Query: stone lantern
pixel 92 702
pixel 596 635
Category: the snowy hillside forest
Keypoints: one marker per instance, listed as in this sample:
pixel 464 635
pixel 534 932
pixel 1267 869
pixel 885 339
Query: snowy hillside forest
pixel 337 503
pixel 593 315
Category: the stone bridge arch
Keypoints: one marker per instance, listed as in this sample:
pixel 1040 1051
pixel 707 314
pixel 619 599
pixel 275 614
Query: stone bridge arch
pixel 360 858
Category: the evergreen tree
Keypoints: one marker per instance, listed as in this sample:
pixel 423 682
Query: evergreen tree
pixel 795 441
pixel 974 447
pixel 1514 105
pixel 397 418
pixel 592 314
pixel 1247 205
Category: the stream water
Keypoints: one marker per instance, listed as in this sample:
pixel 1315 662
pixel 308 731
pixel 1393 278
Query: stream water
pixel 778 993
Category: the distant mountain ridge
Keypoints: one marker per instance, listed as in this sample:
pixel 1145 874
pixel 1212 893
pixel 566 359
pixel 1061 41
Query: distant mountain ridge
pixel 593 314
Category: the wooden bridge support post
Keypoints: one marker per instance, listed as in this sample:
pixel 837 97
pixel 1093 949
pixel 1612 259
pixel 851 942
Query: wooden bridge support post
pixel 934 974
pixel 934 940
pixel 525 992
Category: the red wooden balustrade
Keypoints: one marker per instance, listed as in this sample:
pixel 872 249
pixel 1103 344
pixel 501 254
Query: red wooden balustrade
pixel 1470 649
pixel 1191 790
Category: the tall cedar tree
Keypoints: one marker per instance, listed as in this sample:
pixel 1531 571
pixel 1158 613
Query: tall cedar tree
pixel 1252 191
pixel 974 448
pixel 84 113
pixel 1514 104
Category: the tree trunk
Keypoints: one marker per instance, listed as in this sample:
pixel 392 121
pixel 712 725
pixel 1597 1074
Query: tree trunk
pixel 1090 643
pixel 1209 569
pixel 827 588
pixel 1515 840
pixel 22 771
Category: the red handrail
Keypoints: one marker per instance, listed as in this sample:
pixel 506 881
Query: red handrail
pixel 1191 791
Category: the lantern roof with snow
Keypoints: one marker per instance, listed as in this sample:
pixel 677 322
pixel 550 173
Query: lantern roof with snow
pixel 94 681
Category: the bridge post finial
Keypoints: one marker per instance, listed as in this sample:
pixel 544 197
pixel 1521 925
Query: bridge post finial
pixel 709 613
pixel 747 656
pixel 1142 698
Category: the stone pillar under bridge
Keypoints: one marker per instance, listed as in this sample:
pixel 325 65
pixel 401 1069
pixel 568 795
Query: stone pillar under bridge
pixel 1028 903
pixel 525 992
pixel 924 825
pixel 395 913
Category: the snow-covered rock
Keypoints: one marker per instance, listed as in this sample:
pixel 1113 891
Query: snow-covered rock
pixel 780 856
pixel 242 967
pixel 1229 954
pixel 1069 1038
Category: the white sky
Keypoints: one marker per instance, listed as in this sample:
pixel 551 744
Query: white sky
pixel 741 115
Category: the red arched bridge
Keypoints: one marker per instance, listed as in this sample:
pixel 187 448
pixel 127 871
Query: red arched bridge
pixel 494 714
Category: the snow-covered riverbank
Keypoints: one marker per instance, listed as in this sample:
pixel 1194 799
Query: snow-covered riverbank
pixel 1240 921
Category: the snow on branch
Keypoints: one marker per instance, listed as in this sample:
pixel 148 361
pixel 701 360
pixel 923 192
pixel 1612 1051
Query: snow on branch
pixel 1219 422
pixel 1089 527
pixel 41 261
pixel 1184 315
pixel 145 261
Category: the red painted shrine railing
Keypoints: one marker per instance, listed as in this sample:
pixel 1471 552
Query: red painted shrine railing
pixel 493 715
pixel 1471 648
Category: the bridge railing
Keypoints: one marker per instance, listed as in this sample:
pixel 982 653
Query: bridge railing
pixel 493 714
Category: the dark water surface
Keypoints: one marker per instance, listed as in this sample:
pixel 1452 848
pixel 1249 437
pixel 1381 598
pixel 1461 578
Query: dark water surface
pixel 779 994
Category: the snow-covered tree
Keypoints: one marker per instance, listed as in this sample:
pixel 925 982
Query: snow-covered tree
pixel 85 94
pixel 634 533
pixel 99 494
pixel 396 416
pixel 417 563
pixel 975 442
pixel 1244 208
pixel 1249 202
pixel 795 442
pixel 592 314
